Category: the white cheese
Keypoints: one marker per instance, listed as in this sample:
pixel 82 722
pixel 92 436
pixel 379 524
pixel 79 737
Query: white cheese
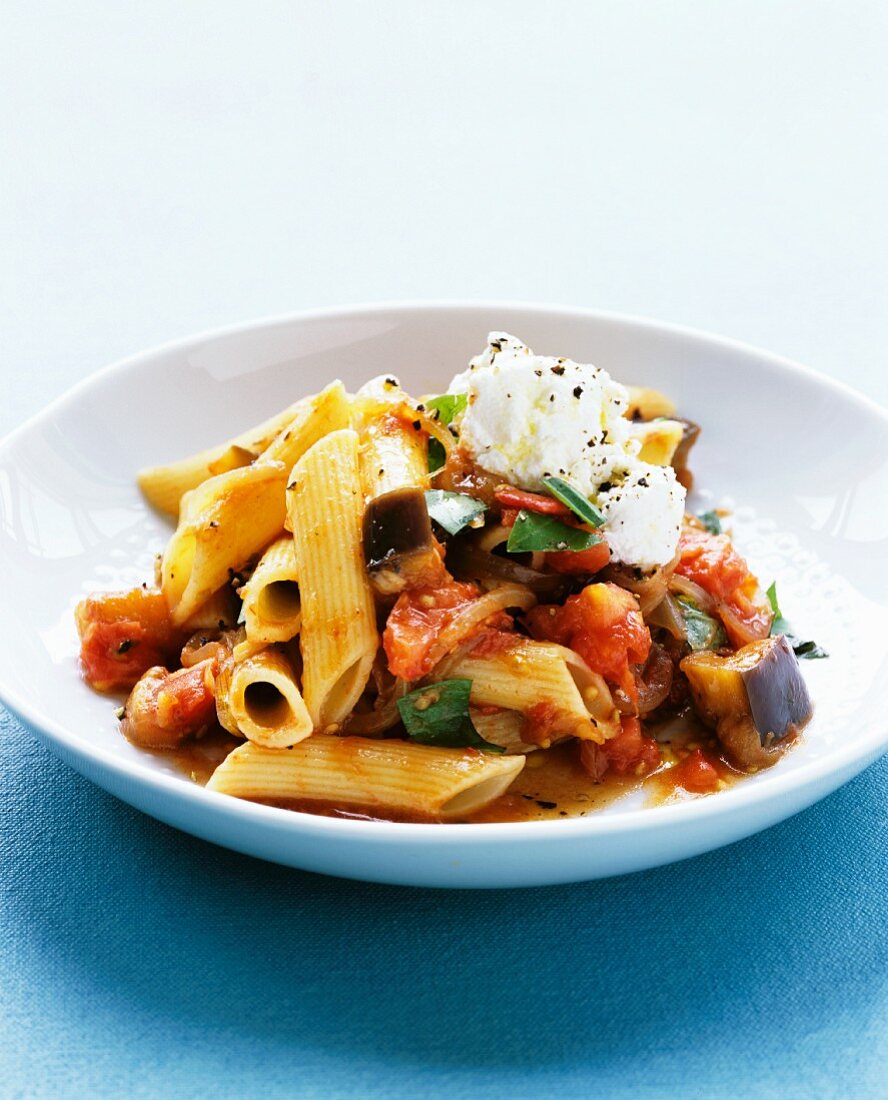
pixel 529 416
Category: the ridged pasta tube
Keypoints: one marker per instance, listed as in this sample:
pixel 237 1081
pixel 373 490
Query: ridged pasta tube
pixel 537 679
pixel 223 523
pixel 338 635
pixel 387 776
pixel 265 701
pixel 272 606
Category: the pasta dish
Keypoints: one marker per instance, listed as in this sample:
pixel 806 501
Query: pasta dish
pixel 488 604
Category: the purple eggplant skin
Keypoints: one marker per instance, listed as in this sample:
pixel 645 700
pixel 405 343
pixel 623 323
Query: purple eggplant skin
pixel 397 539
pixel 778 696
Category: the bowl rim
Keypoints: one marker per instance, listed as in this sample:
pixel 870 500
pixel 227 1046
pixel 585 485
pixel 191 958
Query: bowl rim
pixel 736 799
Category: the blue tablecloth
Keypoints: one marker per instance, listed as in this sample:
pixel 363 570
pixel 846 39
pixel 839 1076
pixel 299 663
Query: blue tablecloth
pixel 140 961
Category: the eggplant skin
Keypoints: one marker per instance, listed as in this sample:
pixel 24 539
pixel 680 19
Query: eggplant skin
pixel 397 536
pixel 778 695
pixel 755 698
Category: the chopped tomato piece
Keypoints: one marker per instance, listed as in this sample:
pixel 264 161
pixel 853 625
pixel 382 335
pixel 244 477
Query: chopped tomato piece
pixel 695 773
pixel 164 708
pixel 416 620
pixel 713 563
pixel 604 625
pixel 510 497
pixel 492 642
pixel 710 561
pixel 122 635
pixel 630 751
pixel 579 561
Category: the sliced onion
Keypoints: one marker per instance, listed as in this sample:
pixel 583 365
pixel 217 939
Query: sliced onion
pixel 740 633
pixel 686 587
pixel 384 713
pixel 668 616
pixel 652 683
pixel 466 621
pixel 649 589
pixel 595 694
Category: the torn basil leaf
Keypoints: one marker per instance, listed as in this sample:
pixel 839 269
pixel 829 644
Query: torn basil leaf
pixel 711 521
pixel 804 650
pixel 448 406
pixel 581 507
pixel 702 630
pixel 439 715
pixel 437 455
pixel 453 511
pixel 532 531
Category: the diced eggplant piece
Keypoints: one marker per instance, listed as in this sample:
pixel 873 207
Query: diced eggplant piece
pixel 398 545
pixel 755 698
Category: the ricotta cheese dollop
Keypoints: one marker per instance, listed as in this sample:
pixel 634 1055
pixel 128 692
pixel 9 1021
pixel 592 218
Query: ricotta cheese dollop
pixel 530 416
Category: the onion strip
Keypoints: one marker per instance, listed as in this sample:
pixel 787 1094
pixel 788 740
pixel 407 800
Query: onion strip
pixel 686 587
pixel 466 621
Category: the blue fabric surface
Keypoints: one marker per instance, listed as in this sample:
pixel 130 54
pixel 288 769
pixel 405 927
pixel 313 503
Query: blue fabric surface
pixel 139 961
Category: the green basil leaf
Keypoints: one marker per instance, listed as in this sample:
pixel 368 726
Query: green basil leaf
pixel 772 599
pixel 702 630
pixel 453 511
pixel 437 455
pixel 711 521
pixel 448 406
pixel 804 650
pixel 439 715
pixel 532 531
pixel 581 507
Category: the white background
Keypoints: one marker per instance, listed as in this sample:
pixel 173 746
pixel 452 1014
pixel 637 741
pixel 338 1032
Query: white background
pixel 172 166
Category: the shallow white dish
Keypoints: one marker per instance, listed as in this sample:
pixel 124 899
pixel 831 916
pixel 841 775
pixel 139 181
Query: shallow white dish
pixel 803 459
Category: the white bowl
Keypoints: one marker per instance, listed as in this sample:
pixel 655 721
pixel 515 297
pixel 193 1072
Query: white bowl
pixel 802 459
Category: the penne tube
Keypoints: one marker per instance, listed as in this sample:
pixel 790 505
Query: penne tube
pixel 315 418
pixel 224 523
pixel 540 680
pixel 387 776
pixel 394 455
pixel 165 486
pixel 223 698
pixel 338 635
pixel 272 608
pixel 659 440
pixel 265 703
pixel 648 404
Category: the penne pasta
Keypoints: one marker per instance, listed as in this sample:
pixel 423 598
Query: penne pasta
pixel 648 404
pixel 394 455
pixel 272 609
pixel 659 440
pixel 165 486
pixel 386 776
pixel 538 680
pixel 224 523
pixel 314 418
pixel 265 702
pixel 338 635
